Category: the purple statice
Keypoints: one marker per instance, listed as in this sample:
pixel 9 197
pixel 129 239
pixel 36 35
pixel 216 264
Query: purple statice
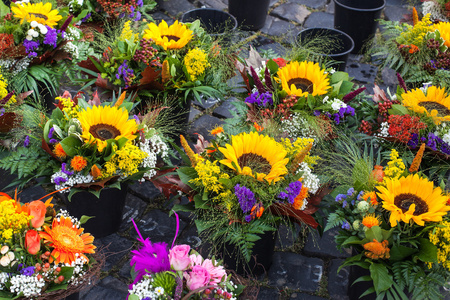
pixel 30 46
pixel 85 19
pixel 136 118
pixel 350 192
pixel 340 197
pixel 59 180
pixel 344 204
pixel 328 115
pixel 337 118
pixel 126 73
pixel 413 140
pixel 28 271
pixel 263 99
pixel 445 148
pixel 134 15
pixel 51 37
pixel 291 191
pixel 53 141
pixel 245 197
pixel 65 171
pixel 432 141
pixel 317 113
pixel 359 197
pixel 26 141
pixel 345 225
pixel 140 3
pixel 343 111
pixel 50 132
pixel 248 218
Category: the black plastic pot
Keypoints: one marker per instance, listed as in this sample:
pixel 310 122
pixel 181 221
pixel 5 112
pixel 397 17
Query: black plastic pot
pixel 106 210
pixel 74 296
pixel 250 14
pixel 180 116
pixel 47 96
pixel 339 46
pixel 215 22
pixel 358 19
pixel 261 260
pixel 359 288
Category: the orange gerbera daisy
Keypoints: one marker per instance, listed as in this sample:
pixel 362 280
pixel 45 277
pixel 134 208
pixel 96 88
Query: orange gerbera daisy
pixel 376 250
pixel 78 163
pixel 59 151
pixel 67 241
pixel 370 197
pixel 217 130
pixel 370 220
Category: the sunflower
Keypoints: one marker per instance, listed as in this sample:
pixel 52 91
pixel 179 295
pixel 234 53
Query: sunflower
pixel 39 12
pixel 444 31
pixel 67 241
pixel 256 155
pixel 436 103
pixel 102 123
pixel 175 36
pixel 413 198
pixel 303 78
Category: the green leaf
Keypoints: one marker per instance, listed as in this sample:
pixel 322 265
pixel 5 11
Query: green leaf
pixel 272 66
pixel 4 10
pixel 186 174
pixel 352 241
pixel 97 65
pixel 203 225
pixel 84 219
pixel 339 76
pixel 133 297
pixel 427 251
pixel 374 233
pixel 400 252
pixel 69 145
pixel 200 202
pixel 380 276
pixel 398 109
pixel 189 207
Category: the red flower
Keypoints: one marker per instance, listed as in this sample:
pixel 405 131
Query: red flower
pixel 32 242
pixel 401 127
pixel 281 62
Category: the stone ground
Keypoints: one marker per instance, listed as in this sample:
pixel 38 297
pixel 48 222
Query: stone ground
pixel 305 265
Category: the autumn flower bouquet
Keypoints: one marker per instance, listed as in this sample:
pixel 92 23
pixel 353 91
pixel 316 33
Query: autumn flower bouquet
pixel 39 44
pixel 88 145
pixel 396 220
pixel 240 186
pixel 44 254
pixel 305 99
pixel 177 273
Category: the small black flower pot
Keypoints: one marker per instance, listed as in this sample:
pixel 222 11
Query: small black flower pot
pixel 250 14
pixel 358 19
pixel 215 22
pixel 337 49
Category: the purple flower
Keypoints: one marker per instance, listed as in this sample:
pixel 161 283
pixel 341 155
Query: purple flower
pixel 140 3
pixel 30 46
pixel 88 16
pixel 344 204
pixel 150 258
pixel 26 141
pixel 346 225
pixel 245 197
pixel 350 192
pixel 413 140
pixel 2 111
pixel 28 271
pixel 317 113
pixel 58 180
pixel 359 197
pixel 432 139
pixel 126 73
pixel 445 148
pixel 64 170
pixel 263 99
pixel 50 132
pixel 336 118
pixel 340 197
pixel 136 118
pixel 350 110
pixel 53 141
pixel 292 191
pixel 248 218
pixel 51 37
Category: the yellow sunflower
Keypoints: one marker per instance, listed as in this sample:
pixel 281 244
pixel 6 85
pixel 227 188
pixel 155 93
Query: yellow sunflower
pixel 436 103
pixel 303 78
pixel 175 36
pixel 444 30
pixel 413 198
pixel 39 12
pixel 67 241
pixel 102 123
pixel 256 155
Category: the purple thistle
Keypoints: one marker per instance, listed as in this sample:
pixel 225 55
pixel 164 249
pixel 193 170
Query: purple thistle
pixel 26 142
pixel 268 79
pixel 401 82
pixel 347 98
pixel 178 289
pixel 6 99
pixel 66 23
pixel 245 197
pixel 257 81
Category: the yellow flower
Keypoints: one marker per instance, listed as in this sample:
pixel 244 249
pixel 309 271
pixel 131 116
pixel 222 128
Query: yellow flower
pixel 256 155
pixel 196 61
pixel 69 106
pixel 303 78
pixel 12 220
pixel 435 104
pixel 127 32
pixel 39 12
pixel 416 34
pixel 444 30
pixel 175 36
pixel 209 174
pixel 413 198
pixel 4 91
pixel 124 162
pixel 394 168
pixel 102 123
pixel 440 237
pixel 297 146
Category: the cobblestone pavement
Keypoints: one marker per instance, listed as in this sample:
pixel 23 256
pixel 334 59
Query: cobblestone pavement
pixel 305 265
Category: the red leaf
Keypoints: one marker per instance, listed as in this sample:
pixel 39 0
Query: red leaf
pixel 297 216
pixel 7 121
pixel 314 200
pixel 97 185
pixel 170 184
pixel 47 149
pixel 201 145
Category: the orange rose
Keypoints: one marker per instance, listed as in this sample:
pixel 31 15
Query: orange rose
pixel 32 242
pixel 37 210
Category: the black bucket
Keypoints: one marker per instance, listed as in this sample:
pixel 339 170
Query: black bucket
pixel 250 14
pixel 339 48
pixel 358 18
pixel 215 22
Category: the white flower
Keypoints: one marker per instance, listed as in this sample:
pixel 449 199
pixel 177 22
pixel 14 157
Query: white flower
pixel 28 37
pixel 337 104
pixel 4 261
pixel 4 249
pixel 384 130
pixel 11 255
pixel 34 24
pixel 35 34
pixel 159 290
pixel 43 29
pixel 31 32
pixel 363 206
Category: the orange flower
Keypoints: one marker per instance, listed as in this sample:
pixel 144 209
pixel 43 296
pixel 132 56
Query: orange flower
pixel 188 151
pixel 257 210
pixel 299 200
pixel 370 220
pixel 32 242
pixel 413 49
pixel 37 209
pixel 95 171
pixel 59 151
pixel 66 241
pixel 78 163
pixel 417 159
pixel 217 130
pixel 257 127
pixel 377 173
pixel 376 250
pixel 370 197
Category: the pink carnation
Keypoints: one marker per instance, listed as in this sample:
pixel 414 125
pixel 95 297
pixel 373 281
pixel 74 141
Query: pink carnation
pixel 216 272
pixel 198 277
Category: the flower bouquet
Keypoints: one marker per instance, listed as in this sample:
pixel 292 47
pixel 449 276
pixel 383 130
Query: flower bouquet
pixel 44 254
pixel 242 184
pixel 38 46
pixel 177 273
pixel 419 52
pixel 397 221
pixel 408 119
pixel 300 96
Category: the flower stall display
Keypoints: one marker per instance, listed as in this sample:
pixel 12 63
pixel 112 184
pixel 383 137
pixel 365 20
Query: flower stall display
pixel 176 62
pixel 396 220
pixel 419 52
pixel 240 186
pixel 408 119
pixel 39 45
pixel 302 97
pixel 178 272
pixel 88 145
pixel 44 254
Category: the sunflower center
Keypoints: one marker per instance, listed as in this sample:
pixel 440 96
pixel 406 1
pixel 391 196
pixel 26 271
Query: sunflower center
pixel 67 240
pixel 255 162
pixel 171 37
pixel 39 16
pixel 441 109
pixel 404 201
pixel 104 131
pixel 302 84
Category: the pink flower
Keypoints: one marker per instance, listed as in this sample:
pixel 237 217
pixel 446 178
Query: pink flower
pixel 216 272
pixel 197 278
pixel 179 257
